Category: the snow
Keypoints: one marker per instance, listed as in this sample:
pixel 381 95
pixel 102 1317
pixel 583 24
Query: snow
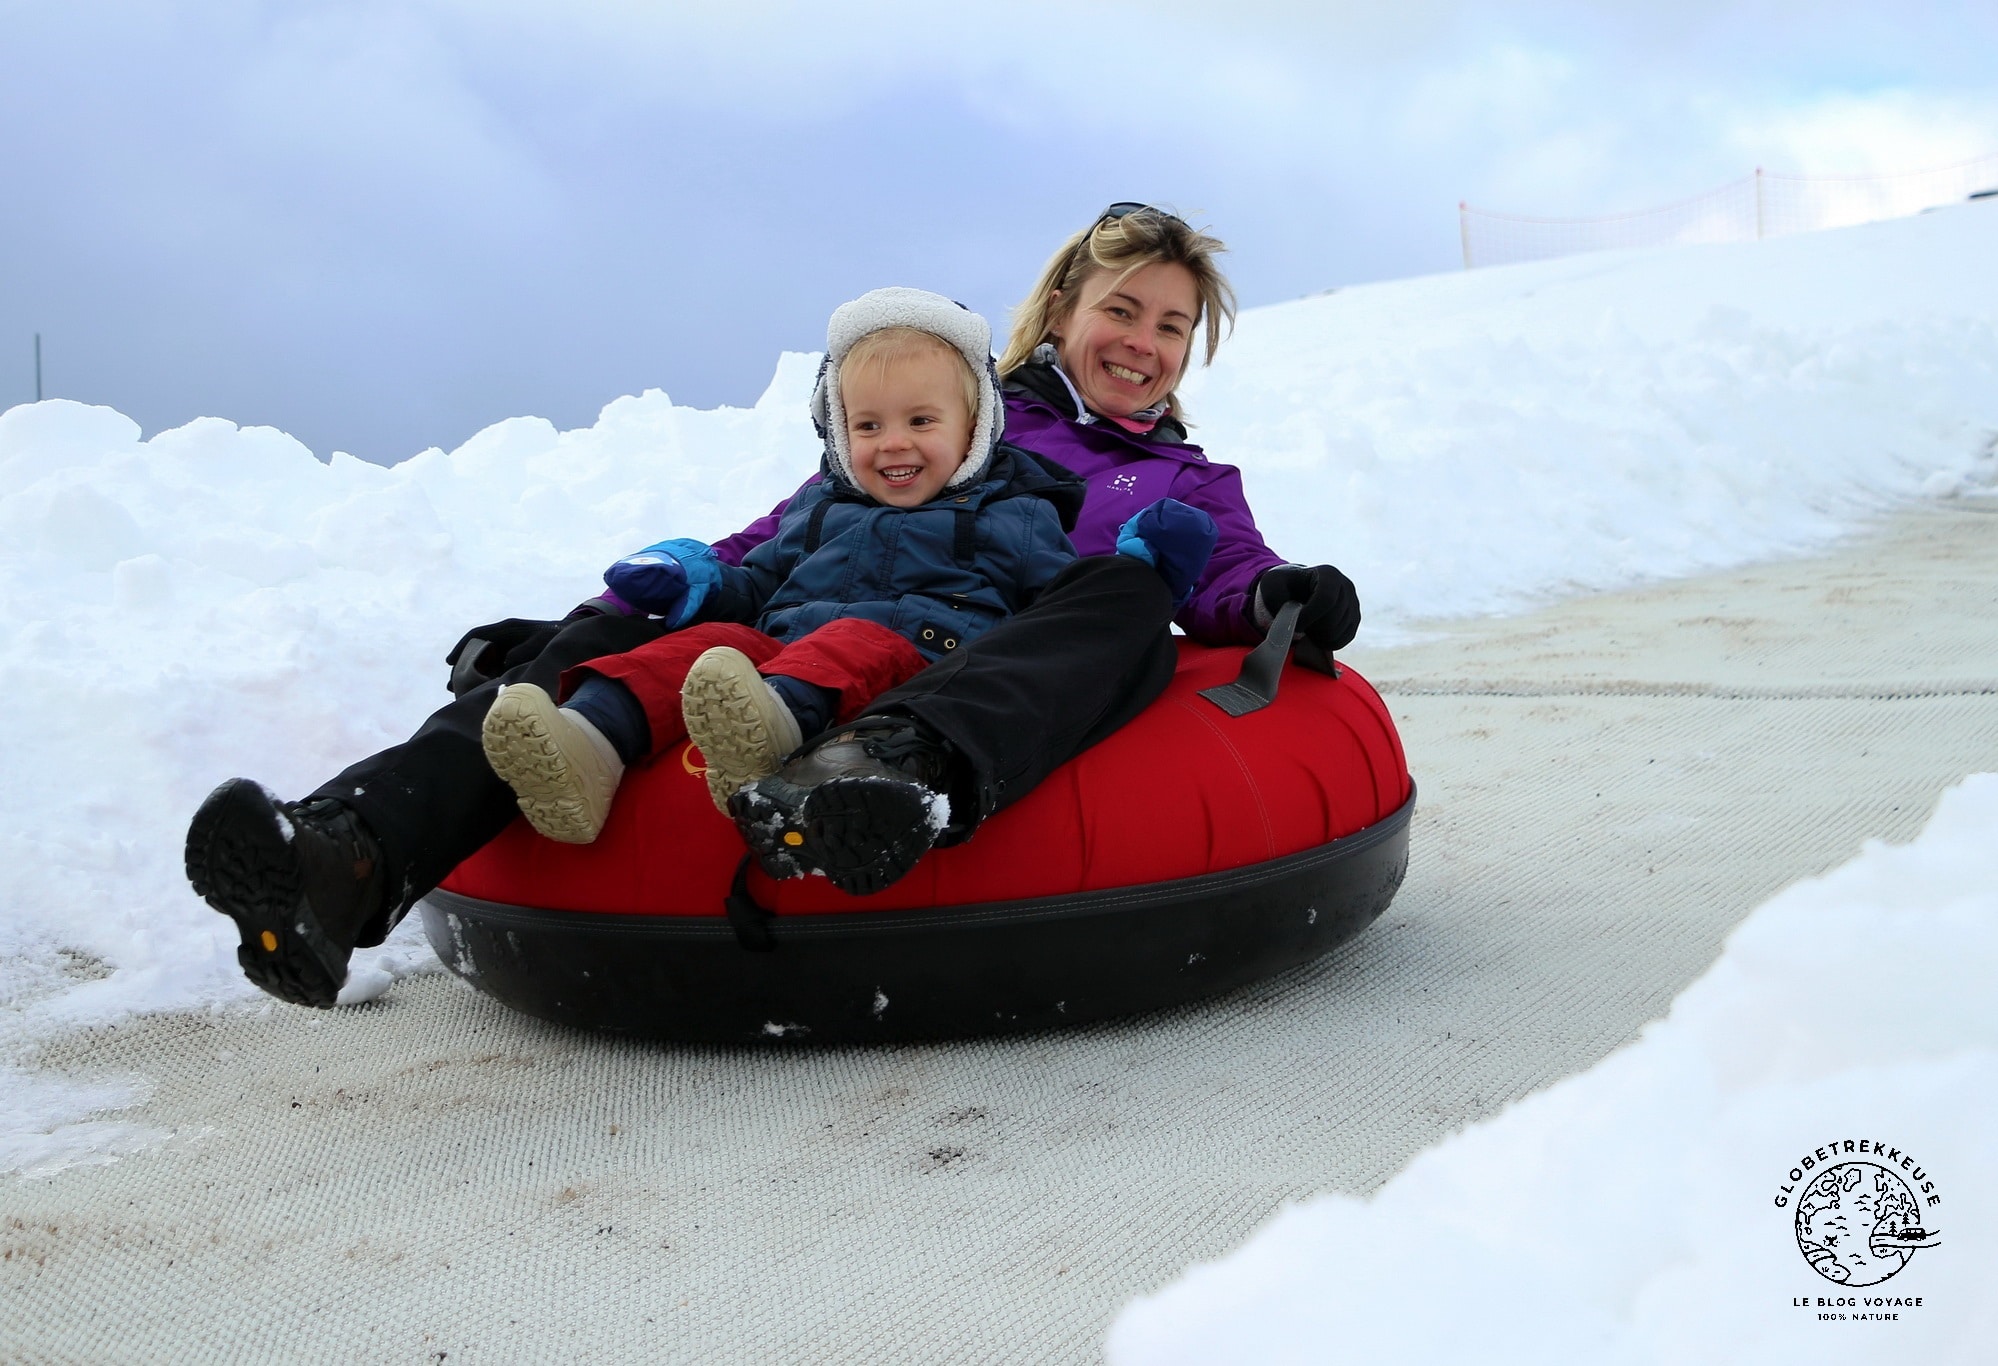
pixel 215 601
pixel 46 1129
pixel 1605 419
pixel 1629 1214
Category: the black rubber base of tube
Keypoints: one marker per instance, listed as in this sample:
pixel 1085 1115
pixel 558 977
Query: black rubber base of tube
pixel 891 976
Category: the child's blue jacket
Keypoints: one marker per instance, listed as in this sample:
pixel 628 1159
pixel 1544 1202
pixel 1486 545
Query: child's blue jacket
pixel 940 574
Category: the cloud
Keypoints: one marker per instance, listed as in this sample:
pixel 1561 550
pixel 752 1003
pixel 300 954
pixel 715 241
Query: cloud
pixel 381 225
pixel 1882 132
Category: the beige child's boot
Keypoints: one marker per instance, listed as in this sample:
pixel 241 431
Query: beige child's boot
pixel 560 766
pixel 737 721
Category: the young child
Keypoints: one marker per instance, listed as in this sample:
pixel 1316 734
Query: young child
pixel 923 530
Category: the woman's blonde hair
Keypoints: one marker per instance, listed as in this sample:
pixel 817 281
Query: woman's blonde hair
pixel 1125 245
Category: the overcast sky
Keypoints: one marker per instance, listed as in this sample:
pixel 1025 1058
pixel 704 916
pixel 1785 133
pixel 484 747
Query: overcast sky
pixel 383 226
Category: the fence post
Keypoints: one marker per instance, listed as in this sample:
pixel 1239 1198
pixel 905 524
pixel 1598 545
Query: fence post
pixel 1758 203
pixel 38 367
pixel 1463 231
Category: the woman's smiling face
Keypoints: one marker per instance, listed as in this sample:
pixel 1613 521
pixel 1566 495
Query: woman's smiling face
pixel 1124 344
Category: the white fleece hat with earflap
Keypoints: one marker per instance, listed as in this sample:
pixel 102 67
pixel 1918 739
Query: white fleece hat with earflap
pixel 897 306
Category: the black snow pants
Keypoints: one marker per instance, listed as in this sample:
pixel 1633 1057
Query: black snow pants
pixel 1039 688
pixel 1016 703
pixel 433 801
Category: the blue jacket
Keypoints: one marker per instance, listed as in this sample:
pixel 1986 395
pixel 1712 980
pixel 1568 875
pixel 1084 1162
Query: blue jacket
pixel 939 574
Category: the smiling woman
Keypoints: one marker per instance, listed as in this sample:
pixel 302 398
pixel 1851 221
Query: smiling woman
pixel 1092 369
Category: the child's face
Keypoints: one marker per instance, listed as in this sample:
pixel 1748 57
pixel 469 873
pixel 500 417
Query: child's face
pixel 906 426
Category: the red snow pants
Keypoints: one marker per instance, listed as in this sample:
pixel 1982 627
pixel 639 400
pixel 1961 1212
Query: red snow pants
pixel 857 658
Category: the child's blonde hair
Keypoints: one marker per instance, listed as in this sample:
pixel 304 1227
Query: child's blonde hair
pixel 881 349
pixel 1126 245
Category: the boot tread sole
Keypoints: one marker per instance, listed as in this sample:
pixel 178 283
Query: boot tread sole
pixel 840 823
pixel 240 862
pixel 524 753
pixel 728 723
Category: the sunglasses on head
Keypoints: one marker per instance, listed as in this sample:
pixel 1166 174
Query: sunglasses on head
pixel 1124 208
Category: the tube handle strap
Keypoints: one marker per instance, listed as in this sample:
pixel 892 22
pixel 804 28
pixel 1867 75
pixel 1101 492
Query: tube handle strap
pixel 1255 687
pixel 751 922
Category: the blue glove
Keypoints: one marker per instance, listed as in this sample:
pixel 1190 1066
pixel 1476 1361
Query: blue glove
pixel 671 579
pixel 1172 538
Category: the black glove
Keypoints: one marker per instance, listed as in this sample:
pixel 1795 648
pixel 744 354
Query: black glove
pixel 485 652
pixel 1330 617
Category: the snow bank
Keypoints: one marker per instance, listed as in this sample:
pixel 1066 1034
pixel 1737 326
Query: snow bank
pixel 1628 1215
pixel 1599 420
pixel 216 601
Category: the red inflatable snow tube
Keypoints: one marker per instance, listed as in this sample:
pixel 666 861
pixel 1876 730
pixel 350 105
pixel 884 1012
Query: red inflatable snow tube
pixel 1190 852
